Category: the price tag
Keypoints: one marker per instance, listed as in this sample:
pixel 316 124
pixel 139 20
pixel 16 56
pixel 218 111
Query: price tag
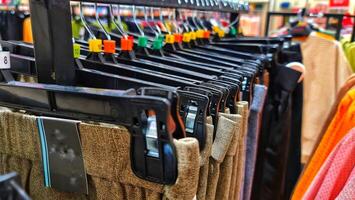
pixel 5 60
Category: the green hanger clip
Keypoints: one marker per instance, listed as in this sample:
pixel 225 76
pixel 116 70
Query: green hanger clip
pixel 143 41
pixel 158 42
pixel 233 31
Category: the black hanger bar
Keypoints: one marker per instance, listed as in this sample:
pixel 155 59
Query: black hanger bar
pixel 112 106
pixel 52 34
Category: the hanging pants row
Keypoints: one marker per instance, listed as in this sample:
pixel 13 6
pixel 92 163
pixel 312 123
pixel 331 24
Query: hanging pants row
pixel 249 158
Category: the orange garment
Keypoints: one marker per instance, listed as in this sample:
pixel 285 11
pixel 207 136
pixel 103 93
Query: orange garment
pixel 27 31
pixel 342 123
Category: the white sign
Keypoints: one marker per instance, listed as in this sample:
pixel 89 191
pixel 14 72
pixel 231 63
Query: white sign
pixel 5 60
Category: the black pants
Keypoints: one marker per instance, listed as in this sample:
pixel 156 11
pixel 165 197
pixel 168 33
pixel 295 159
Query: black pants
pixel 273 148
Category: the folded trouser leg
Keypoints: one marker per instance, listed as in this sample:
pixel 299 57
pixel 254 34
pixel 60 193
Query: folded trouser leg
pixel 204 162
pixel 224 135
pixel 185 187
pixel 243 110
pixel 226 167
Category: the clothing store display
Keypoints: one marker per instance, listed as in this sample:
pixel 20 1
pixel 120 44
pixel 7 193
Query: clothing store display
pixel 254 125
pixel 148 101
pixel 335 171
pixel 327 70
pixel 341 124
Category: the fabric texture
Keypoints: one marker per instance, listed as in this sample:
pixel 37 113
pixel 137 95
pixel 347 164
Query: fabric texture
pixel 226 168
pixel 349 49
pixel 335 171
pixel 348 192
pixel 106 152
pixel 239 164
pixel 294 165
pixel 204 161
pixel 271 168
pixel 224 135
pixel 254 125
pixel 326 71
pixel 342 123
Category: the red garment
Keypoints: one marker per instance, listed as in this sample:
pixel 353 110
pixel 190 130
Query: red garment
pixel 348 192
pixel 335 171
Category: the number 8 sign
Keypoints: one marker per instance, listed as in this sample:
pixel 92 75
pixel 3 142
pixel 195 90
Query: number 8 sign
pixel 5 60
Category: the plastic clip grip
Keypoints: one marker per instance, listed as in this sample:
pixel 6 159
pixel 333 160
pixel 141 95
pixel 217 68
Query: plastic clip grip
pixel 109 46
pixel 126 44
pixel 215 29
pixel 153 154
pixel 186 37
pixel 95 45
pixel 206 34
pixel 194 111
pixel 157 43
pixel 193 35
pixel 169 39
pixel 178 37
pixel 200 34
pixel 76 50
pixel 233 31
pixel 221 33
pixel 143 41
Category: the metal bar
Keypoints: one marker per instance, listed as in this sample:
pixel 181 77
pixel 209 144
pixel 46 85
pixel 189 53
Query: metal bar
pixel 353 35
pixel 167 4
pixel 267 24
pixel 52 33
pixel 339 17
pixel 295 14
pixel 339 26
pixel 233 17
pixel 327 26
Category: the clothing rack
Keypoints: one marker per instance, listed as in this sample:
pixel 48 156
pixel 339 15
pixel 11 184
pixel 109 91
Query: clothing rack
pixel 339 17
pixel 51 22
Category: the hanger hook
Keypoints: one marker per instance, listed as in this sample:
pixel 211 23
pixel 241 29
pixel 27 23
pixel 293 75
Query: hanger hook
pixel 153 19
pixel 99 21
pixel 161 17
pixel 135 20
pixel 118 26
pixel 92 36
pixel 146 18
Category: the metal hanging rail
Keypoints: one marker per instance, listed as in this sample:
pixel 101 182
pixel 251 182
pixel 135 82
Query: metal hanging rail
pixel 339 18
pixel 203 5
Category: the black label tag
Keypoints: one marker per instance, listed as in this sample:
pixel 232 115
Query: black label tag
pixel 62 158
